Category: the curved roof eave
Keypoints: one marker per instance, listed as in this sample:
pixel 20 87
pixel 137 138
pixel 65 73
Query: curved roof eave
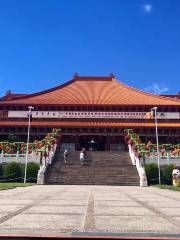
pixel 17 101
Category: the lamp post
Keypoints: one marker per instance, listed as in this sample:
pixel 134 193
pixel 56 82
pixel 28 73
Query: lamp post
pixel 27 146
pixel 157 142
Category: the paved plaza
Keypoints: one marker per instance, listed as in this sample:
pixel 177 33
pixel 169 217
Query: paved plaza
pixel 57 209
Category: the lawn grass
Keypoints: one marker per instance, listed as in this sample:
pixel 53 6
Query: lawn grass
pixel 164 186
pixel 8 185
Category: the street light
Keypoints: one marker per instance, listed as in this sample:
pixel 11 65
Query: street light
pixel 27 146
pixel 157 142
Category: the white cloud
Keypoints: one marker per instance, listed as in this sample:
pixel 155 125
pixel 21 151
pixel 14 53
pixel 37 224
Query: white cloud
pixel 156 89
pixel 147 8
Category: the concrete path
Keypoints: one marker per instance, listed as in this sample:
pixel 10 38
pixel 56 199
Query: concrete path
pixel 65 209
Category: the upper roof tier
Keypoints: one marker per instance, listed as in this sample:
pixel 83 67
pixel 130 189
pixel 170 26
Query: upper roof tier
pixel 91 91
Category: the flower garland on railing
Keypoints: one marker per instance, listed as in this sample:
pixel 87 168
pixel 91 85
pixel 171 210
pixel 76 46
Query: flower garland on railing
pixel 143 150
pixel 43 146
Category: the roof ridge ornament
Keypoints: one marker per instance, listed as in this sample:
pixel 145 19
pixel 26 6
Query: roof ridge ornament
pixel 75 75
pixel 112 75
pixel 8 92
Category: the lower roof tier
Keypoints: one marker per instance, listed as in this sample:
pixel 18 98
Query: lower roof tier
pixel 79 124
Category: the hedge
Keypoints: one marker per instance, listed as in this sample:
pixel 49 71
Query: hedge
pixel 167 174
pixel 152 173
pixel 32 171
pixel 1 170
pixel 12 170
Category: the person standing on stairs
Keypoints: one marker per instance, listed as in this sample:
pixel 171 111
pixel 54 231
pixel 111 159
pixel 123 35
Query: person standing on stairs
pixel 84 151
pixel 65 156
pixel 81 156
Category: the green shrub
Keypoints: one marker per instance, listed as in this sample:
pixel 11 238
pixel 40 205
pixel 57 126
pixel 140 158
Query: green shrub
pixel 1 170
pixel 167 173
pixel 32 171
pixel 12 170
pixel 152 173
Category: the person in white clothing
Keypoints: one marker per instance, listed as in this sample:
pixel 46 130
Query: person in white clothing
pixel 81 157
pixel 65 156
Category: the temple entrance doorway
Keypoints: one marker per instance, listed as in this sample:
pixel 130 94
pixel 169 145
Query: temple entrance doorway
pixel 93 143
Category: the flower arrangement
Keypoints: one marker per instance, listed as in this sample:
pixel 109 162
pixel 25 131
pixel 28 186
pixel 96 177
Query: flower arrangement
pixel 44 145
pixel 148 149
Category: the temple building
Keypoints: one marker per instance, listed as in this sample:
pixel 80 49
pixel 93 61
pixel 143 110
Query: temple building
pixel 91 109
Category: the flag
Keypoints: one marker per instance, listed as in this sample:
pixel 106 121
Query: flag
pixel 149 115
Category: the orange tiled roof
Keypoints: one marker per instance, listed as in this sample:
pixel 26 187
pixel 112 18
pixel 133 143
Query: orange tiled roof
pixel 95 91
pixel 88 124
pixel 13 96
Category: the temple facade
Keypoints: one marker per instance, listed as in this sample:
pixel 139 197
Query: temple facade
pixel 91 109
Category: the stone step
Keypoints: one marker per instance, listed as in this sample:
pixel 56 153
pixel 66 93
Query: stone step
pixel 96 183
pixel 103 168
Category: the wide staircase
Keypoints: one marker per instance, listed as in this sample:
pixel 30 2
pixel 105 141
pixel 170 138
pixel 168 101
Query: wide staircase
pixel 101 168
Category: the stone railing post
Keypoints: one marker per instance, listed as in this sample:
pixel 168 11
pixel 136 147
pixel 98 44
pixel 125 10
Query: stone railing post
pixel 2 156
pixel 17 156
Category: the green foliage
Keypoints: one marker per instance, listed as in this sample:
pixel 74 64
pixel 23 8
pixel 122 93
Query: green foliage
pixel 10 185
pixel 32 171
pixel 152 173
pixel 12 170
pixel 167 173
pixel 1 170
pixel 170 187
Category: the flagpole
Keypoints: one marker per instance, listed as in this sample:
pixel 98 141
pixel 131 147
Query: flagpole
pixel 157 142
pixel 27 146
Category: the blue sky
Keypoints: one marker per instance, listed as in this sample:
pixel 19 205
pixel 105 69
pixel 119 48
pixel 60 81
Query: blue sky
pixel 44 42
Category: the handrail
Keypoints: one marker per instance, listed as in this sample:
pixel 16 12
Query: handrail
pixel 46 161
pixel 140 167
